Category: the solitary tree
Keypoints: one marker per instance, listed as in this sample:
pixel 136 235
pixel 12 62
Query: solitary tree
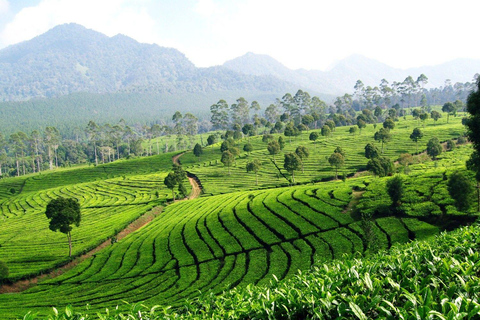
pixel 434 148
pixel 460 189
pixel 383 135
pixel 211 140
pixel 313 136
pixel 449 108
pixel 63 213
pixel 171 181
pixel 395 190
pixel 291 163
pixel 197 150
pixel 380 166
pixel 254 166
pixel 336 160
pixel 326 131
pixel 416 135
pixel 435 115
pixel 227 159
pixel 388 124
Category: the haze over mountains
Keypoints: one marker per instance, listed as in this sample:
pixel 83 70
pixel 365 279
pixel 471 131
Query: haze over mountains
pixel 70 58
pixel 342 77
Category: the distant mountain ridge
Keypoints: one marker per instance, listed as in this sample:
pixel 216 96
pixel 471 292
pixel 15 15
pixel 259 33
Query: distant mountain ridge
pixel 71 58
pixel 343 76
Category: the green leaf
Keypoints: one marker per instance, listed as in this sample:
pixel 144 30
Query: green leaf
pixel 357 311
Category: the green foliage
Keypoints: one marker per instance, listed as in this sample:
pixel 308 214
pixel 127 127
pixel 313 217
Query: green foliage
pixel 63 213
pixel 337 161
pixel 460 189
pixel 395 190
pixel 434 148
pixel 380 166
pixel 371 151
pixel 197 150
pixel 291 163
pixel 3 271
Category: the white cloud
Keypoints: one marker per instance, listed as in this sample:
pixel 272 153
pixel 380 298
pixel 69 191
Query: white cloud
pixel 107 16
pixel 4 6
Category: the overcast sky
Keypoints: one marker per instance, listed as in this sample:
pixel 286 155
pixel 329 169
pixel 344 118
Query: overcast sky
pixel 309 34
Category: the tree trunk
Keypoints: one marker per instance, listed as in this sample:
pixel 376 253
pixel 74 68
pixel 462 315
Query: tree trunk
pixel 69 236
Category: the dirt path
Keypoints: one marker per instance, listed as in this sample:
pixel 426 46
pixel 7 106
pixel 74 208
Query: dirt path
pixel 134 226
pixel 192 179
pixel 142 221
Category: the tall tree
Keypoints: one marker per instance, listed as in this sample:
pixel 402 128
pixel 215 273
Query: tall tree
pixel 219 117
pixel 449 108
pixel 434 148
pixel 227 159
pixel 383 135
pixel 303 153
pixel 291 163
pixel 63 213
pixel 416 135
pixel 337 161
pixel 92 130
pixel 473 132
pixel 254 166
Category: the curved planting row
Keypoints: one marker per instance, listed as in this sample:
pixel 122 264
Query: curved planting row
pixel 27 245
pixel 213 244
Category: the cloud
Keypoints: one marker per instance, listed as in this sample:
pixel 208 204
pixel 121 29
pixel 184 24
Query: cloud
pixel 107 16
pixel 4 6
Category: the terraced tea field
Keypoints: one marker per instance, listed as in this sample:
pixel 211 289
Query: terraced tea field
pixel 215 243
pixel 215 179
pixel 108 205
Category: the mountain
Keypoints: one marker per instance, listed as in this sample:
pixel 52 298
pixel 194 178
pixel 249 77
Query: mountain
pixel 71 58
pixel 342 77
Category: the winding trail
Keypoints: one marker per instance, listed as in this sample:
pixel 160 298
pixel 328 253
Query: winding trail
pixel 139 223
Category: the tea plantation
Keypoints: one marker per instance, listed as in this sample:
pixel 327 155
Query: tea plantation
pixel 240 236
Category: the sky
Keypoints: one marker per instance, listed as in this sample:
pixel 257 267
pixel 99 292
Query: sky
pixel 308 34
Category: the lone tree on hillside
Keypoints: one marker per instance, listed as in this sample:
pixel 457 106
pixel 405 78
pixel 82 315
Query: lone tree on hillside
pixel 171 181
pixel 254 166
pixel 313 136
pixel 227 159
pixel 460 189
pixel 291 163
pixel 197 151
pixel 336 160
pixel 395 190
pixel 473 133
pixel 383 135
pixel 63 213
pixel 248 148
pixel 449 108
pixel 416 135
pixel 326 131
pixel 380 166
pixel 211 140
pixel 389 124
pixel 434 148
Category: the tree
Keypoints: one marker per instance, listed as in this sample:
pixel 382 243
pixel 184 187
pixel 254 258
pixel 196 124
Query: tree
pixel 248 130
pixel 313 136
pixel 281 142
pixel 371 151
pixel 435 115
pixel 388 124
pixel 416 135
pixel 353 130
pixel 219 117
pixel 473 132
pixel 449 108
pixel 460 189
pixel 63 213
pixel 336 160
pixel 273 148
pixel 395 190
pixel 211 140
pixel 254 166
pixel 380 166
pixel 291 163
pixel 326 131
pixel 341 151
pixel 291 131
pixel 361 124
pixel 197 150
pixel 450 145
pixel 383 135
pixel 171 181
pixel 303 153
pixel 248 148
pixel 182 190
pixel 434 148
pixel 227 159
